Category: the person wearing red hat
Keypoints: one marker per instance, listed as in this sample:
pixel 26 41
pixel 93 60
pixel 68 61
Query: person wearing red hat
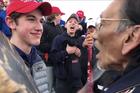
pixel 51 28
pixel 25 18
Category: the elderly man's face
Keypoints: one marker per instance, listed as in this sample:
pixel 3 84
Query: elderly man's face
pixel 109 40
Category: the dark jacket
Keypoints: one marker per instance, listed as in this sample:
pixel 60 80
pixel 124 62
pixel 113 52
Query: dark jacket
pixel 63 66
pixel 38 69
pixel 30 59
pixel 84 30
pixel 50 31
pixel 128 82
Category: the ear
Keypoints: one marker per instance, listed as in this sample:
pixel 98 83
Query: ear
pixel 10 22
pixel 132 39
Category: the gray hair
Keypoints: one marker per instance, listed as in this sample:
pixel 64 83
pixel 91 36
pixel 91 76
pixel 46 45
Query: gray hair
pixel 124 23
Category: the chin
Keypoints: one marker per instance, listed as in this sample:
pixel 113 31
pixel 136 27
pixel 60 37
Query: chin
pixel 36 43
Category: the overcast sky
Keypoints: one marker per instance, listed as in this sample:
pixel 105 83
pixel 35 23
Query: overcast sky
pixel 91 8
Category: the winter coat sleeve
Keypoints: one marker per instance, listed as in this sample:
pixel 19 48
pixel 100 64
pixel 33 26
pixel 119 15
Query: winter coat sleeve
pixel 58 51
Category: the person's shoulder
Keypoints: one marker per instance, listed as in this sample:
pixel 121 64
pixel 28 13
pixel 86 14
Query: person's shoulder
pixel 58 37
pixel 127 82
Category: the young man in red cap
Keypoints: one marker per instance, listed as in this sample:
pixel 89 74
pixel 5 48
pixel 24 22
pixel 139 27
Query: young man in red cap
pixel 25 20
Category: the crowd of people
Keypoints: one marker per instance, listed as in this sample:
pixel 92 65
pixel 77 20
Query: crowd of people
pixel 41 53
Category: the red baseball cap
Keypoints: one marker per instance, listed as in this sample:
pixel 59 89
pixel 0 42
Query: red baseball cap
pixel 1 1
pixel 56 10
pixel 26 6
pixel 80 13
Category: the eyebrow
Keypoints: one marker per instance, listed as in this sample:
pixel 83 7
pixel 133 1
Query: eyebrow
pixel 30 16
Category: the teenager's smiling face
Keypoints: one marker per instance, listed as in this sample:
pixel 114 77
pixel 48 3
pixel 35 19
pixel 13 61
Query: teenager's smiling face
pixel 29 28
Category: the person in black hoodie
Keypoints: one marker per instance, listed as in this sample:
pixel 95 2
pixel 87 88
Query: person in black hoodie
pixel 65 56
pixel 51 29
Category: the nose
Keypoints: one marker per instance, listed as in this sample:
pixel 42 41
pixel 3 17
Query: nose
pixel 39 26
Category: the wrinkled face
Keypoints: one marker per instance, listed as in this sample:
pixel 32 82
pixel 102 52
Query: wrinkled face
pixel 72 26
pixel 108 40
pixel 28 28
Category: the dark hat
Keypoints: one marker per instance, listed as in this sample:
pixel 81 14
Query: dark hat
pixel 73 16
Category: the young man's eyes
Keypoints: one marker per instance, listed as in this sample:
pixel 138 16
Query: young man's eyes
pixel 73 21
pixel 31 19
pixel 35 20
